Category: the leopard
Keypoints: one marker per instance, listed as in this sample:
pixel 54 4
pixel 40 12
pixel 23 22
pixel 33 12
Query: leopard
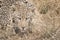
pixel 26 20
pixel 22 16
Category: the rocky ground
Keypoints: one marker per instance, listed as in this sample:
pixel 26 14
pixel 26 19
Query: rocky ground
pixel 29 19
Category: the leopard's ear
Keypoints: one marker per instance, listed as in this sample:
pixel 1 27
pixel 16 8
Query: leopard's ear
pixel 31 13
pixel 33 10
pixel 12 8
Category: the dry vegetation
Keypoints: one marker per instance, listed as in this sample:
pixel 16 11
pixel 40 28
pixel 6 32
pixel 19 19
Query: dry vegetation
pixel 29 19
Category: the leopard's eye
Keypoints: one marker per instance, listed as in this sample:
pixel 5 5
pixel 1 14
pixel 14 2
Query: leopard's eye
pixel 13 21
pixel 27 18
pixel 13 9
pixel 19 18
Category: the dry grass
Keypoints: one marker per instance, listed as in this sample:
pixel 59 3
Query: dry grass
pixel 43 23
